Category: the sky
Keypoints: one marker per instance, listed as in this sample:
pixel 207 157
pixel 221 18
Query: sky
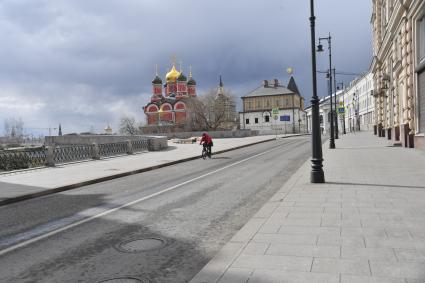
pixel 86 63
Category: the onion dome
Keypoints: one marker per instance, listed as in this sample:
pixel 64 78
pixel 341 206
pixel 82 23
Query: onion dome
pixel 172 96
pixel 191 81
pixel 157 80
pixel 182 78
pixel 172 75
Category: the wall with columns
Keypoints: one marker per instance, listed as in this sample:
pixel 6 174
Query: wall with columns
pixel 395 46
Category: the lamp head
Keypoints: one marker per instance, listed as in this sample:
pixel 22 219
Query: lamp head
pixel 320 48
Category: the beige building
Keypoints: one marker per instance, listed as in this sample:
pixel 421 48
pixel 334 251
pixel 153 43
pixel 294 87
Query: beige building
pixel 257 111
pixel 398 69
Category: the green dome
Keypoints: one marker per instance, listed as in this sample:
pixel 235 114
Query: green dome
pixel 157 80
pixel 182 78
pixel 191 81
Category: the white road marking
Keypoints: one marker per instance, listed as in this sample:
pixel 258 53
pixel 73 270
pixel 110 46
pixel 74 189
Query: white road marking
pixel 54 232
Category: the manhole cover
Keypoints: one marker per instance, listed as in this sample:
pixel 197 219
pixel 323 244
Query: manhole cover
pixel 123 280
pixel 141 245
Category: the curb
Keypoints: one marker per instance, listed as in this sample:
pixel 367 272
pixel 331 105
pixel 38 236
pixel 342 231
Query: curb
pixel 120 175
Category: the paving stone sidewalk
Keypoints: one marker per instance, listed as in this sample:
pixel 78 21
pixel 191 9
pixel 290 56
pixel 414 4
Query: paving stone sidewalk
pixel 366 224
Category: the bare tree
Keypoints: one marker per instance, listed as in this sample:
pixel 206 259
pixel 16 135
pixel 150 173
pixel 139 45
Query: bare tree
pixel 212 111
pixel 128 126
pixel 197 115
pixel 14 127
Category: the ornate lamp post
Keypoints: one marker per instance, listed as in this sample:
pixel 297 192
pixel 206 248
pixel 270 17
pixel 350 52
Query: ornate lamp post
pixel 336 113
pixel 317 175
pixel 320 49
pixel 343 105
pixel 354 102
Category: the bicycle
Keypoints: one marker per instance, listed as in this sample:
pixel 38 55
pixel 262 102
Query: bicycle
pixel 205 152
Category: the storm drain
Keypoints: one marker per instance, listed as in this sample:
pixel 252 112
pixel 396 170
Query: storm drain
pixel 141 245
pixel 124 280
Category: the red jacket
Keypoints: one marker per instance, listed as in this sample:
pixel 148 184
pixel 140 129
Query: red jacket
pixel 206 139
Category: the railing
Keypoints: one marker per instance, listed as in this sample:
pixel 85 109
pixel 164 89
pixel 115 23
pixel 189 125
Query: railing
pixel 53 155
pixel 65 154
pixel 22 159
pixel 139 145
pixel 111 149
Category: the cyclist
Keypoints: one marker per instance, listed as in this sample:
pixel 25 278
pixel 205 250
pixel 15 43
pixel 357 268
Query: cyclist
pixel 207 142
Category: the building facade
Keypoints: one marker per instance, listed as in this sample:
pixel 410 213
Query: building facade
pixel 358 106
pixel 168 106
pixel 398 69
pixel 357 98
pixel 289 116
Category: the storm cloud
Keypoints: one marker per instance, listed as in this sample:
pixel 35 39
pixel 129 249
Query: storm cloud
pixel 84 64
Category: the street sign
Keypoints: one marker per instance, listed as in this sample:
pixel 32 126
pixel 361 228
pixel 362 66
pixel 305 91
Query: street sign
pixel 275 111
pixel 341 110
pixel 286 118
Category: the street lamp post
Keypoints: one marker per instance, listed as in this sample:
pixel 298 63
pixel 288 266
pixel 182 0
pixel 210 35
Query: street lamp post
pixel 343 105
pixel 320 49
pixel 336 114
pixel 299 125
pixel 293 113
pixel 355 111
pixel 317 175
pixel 356 97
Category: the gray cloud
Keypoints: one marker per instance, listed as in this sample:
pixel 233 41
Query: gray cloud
pixel 86 63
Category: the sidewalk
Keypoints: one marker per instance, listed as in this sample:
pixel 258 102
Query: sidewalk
pixel 33 183
pixel 366 224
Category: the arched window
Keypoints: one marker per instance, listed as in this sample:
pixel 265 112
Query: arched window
pixel 180 106
pixel 152 108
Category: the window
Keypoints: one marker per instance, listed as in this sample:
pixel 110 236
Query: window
pixel 267 119
pixel 256 120
pixel 421 29
pixel 247 121
pixel 258 103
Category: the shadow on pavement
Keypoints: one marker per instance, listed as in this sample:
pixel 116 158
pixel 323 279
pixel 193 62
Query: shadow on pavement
pixel 92 252
pixel 10 190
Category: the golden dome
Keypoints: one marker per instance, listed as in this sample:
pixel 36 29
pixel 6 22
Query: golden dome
pixel 172 75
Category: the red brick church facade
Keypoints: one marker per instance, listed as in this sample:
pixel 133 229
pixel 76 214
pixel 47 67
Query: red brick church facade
pixel 168 106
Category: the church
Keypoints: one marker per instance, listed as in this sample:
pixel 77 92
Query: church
pixel 168 105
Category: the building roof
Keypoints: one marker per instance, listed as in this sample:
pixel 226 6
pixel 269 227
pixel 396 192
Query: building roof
pixel 293 86
pixel 269 90
pixel 182 78
pixel 157 80
pixel 172 75
pixel 191 81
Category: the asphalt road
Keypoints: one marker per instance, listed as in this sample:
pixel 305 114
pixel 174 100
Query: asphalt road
pixel 187 212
